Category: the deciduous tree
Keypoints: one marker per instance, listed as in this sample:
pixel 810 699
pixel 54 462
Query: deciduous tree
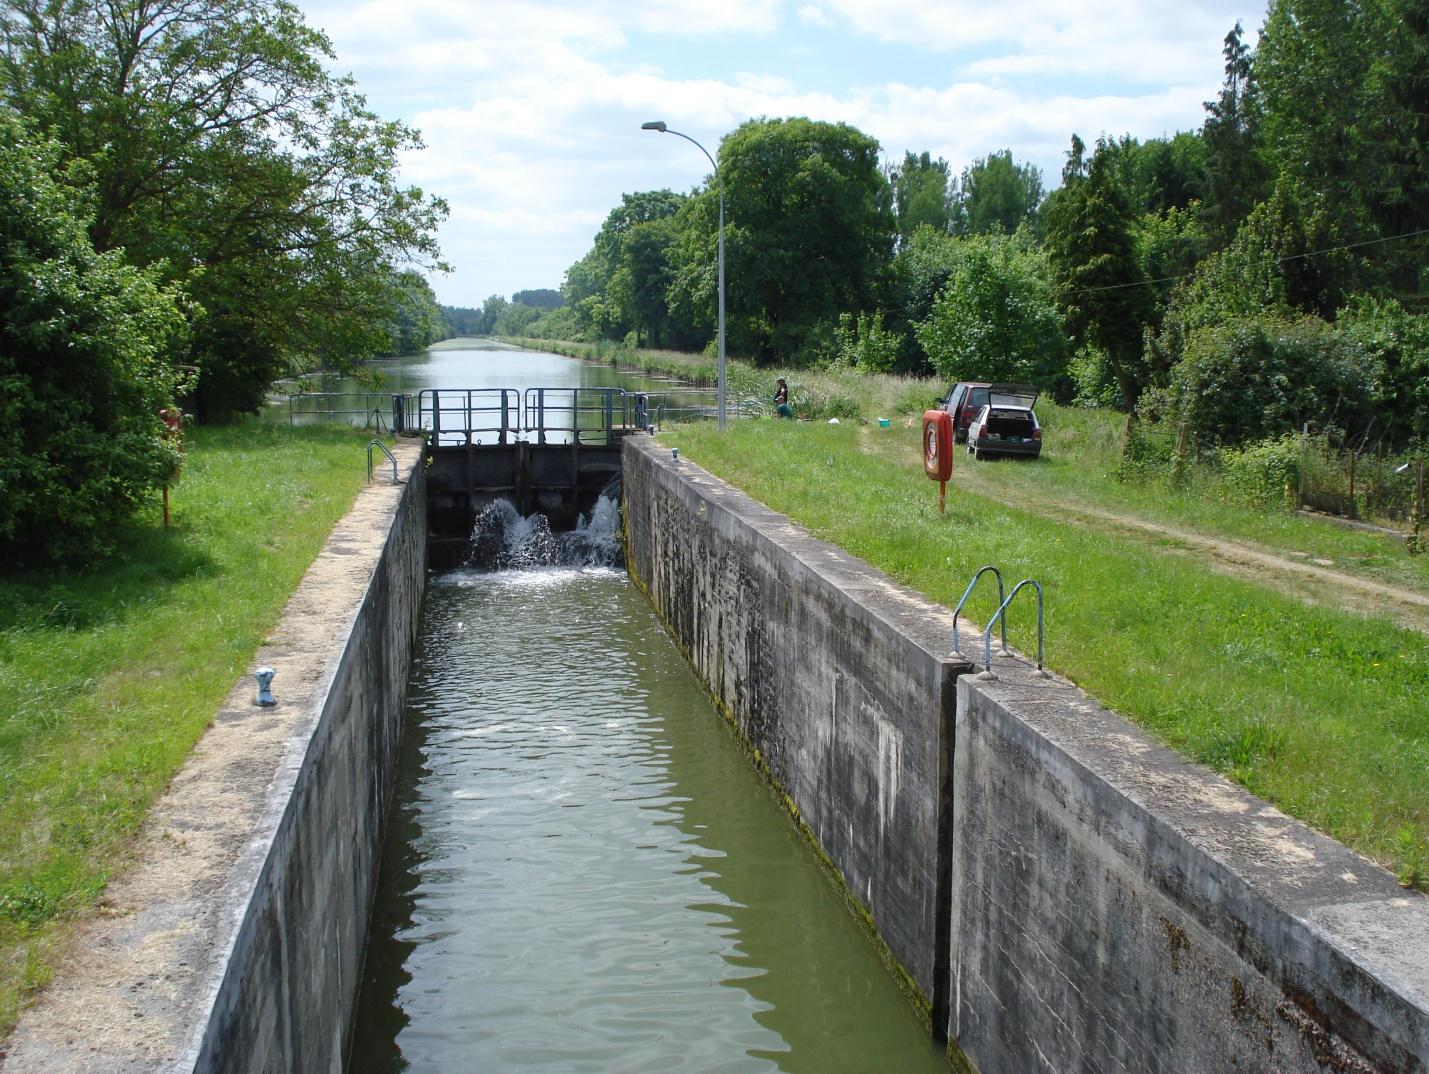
pixel 921 195
pixel 995 319
pixel 1101 286
pixel 809 235
pixel 87 348
pixel 997 194
pixel 226 155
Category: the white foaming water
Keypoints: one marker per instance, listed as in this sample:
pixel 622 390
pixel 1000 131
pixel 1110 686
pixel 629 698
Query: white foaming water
pixel 502 539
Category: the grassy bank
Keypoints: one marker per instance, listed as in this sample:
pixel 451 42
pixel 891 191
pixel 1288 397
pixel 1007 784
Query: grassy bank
pixel 1082 463
pixel 109 675
pixel 1321 713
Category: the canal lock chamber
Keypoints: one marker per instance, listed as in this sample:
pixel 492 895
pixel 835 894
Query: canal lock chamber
pixel 581 868
pixel 840 680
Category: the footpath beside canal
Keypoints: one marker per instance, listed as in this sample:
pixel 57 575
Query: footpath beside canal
pixel 1112 907
pixel 235 943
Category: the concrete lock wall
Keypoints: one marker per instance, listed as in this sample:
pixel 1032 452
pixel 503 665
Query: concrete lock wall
pixel 1112 907
pixel 1117 909
pixel 235 941
pixel 291 982
pixel 839 678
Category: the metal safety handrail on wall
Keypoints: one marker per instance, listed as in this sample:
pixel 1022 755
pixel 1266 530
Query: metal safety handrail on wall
pixel 1001 614
pixel 390 458
pixel 1001 593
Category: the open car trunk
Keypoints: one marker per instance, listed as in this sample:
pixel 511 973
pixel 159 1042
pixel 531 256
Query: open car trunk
pixel 1024 395
pixel 1011 425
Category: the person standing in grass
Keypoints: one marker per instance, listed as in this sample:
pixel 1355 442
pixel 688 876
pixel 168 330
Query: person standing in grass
pixel 781 399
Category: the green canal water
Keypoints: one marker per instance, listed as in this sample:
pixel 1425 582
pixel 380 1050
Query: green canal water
pixel 583 872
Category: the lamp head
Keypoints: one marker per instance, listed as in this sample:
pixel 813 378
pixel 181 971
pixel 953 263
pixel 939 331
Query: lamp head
pixel 654 125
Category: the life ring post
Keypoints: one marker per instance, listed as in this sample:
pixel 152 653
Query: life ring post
pixel 938 451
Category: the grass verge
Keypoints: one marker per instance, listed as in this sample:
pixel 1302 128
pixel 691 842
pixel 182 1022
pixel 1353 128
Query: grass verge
pixel 1082 459
pixel 1319 713
pixel 109 675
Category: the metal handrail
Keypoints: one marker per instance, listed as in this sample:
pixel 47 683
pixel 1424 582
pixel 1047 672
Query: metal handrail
pixel 392 458
pixel 957 645
pixel 546 408
pixel 479 410
pixel 999 614
pixel 331 405
pixel 691 404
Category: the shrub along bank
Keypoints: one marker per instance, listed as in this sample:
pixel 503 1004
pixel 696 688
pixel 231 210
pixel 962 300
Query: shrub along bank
pixel 1320 713
pixel 109 675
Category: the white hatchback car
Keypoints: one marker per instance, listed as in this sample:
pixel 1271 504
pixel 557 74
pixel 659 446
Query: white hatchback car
pixel 1006 425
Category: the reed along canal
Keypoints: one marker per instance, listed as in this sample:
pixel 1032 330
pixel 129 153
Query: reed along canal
pixel 584 872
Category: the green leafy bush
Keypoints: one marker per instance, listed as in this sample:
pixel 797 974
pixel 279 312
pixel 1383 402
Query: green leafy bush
pixel 1147 453
pixel 995 320
pixel 863 343
pixel 1252 378
pixel 85 367
pixel 1262 474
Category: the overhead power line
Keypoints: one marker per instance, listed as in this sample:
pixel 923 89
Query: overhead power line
pixel 1278 261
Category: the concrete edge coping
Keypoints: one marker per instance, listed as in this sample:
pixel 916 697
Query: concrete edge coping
pixel 1342 900
pixel 138 982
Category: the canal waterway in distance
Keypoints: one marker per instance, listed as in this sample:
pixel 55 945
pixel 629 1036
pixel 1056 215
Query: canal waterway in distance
pixel 478 363
pixel 584 872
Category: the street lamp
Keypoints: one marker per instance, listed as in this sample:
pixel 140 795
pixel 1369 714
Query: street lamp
pixel 659 125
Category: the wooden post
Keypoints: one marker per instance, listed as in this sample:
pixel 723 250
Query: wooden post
pixel 1353 512
pixel 1300 477
pixel 1416 516
pixel 1376 487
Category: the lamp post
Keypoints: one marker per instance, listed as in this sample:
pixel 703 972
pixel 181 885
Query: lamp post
pixel 659 125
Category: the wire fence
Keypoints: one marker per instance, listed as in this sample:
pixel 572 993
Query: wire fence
pixel 379 411
pixel 1364 483
pixel 1369 484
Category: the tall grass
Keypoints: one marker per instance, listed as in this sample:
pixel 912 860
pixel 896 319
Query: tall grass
pixel 108 675
pixel 1320 713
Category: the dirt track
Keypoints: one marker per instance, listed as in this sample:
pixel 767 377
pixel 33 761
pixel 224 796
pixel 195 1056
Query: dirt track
pixel 1315 582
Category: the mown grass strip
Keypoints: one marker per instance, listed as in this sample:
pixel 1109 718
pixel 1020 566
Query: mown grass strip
pixel 1082 459
pixel 109 675
pixel 1322 714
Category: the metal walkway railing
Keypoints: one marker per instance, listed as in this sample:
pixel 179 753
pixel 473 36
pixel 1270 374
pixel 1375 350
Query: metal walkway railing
pixel 457 416
pixel 587 416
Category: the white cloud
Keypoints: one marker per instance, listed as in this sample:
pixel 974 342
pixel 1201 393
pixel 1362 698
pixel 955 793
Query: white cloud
pixel 531 111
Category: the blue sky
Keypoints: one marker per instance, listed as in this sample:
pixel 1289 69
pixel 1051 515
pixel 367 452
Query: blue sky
pixel 531 111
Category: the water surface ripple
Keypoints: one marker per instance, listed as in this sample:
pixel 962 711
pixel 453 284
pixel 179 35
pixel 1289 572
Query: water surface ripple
pixel 584 873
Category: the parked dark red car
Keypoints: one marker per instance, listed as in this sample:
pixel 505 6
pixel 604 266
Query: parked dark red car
pixel 965 400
